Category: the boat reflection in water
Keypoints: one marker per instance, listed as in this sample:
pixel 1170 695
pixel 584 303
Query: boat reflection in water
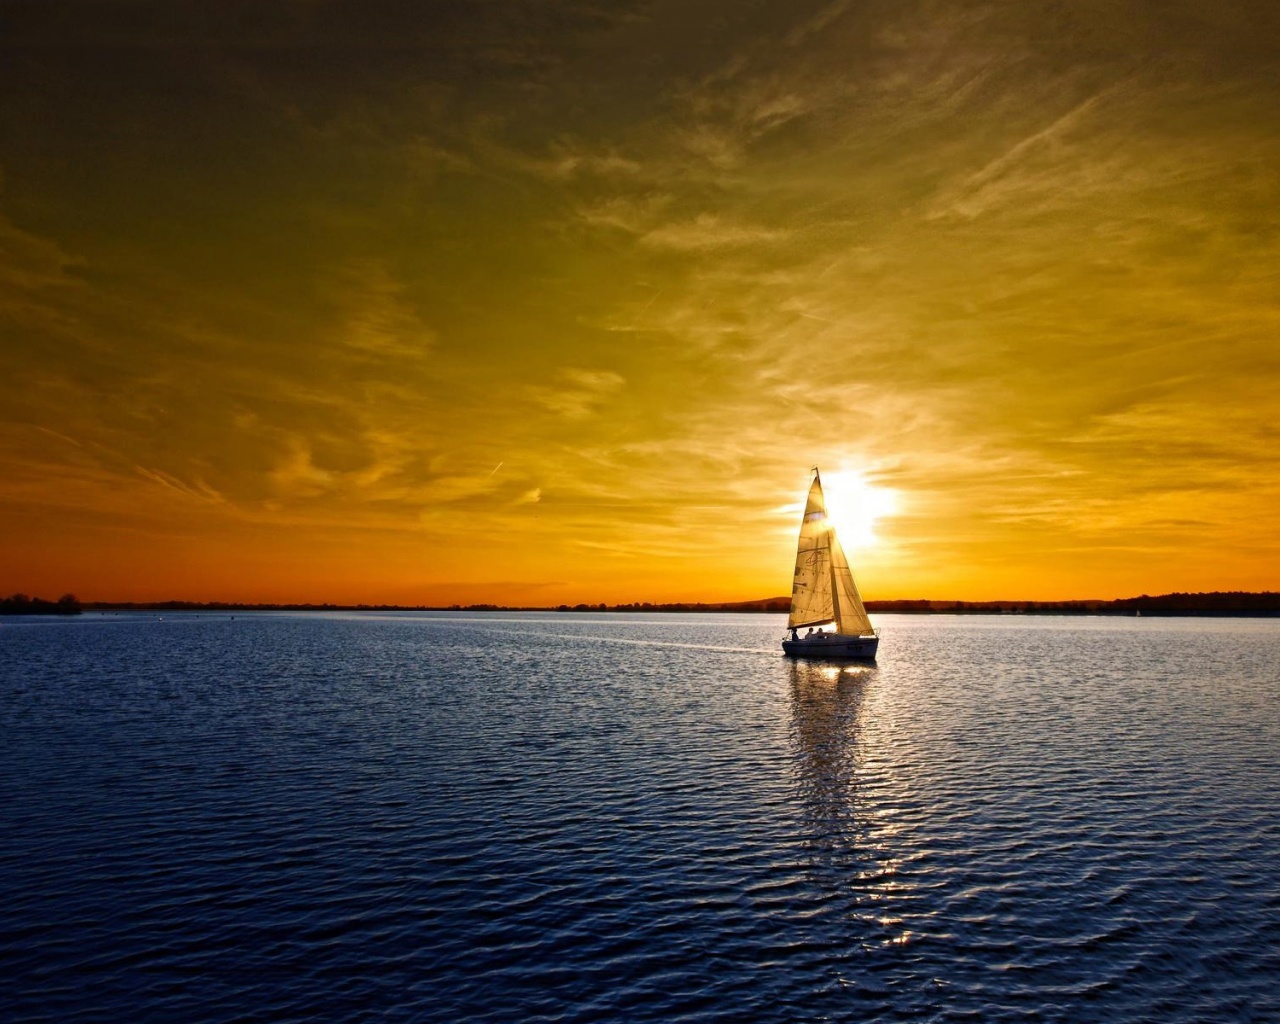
pixel 844 782
pixel 827 704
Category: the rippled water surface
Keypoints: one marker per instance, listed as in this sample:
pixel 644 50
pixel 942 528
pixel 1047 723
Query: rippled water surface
pixel 629 817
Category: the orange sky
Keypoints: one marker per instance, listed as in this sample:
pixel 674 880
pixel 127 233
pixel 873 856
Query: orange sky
pixel 529 303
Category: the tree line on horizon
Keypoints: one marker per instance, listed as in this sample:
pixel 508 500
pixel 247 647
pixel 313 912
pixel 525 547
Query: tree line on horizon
pixel 1266 604
pixel 1217 603
pixel 21 604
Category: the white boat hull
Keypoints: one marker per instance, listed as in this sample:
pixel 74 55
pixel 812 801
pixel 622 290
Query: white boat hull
pixel 833 645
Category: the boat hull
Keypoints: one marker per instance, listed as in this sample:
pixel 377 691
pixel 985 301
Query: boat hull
pixel 833 645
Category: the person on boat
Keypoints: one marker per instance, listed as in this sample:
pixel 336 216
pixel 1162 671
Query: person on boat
pixel 809 635
pixel 794 634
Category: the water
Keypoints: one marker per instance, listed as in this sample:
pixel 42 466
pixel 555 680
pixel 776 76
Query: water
pixel 640 818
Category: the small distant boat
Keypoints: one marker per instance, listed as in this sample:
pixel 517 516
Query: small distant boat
pixel 824 598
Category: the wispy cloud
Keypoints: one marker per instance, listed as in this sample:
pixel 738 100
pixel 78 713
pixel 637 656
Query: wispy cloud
pixel 707 231
pixel 578 393
pixel 382 323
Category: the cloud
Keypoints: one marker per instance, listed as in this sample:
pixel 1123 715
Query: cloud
pixel 635 215
pixel 1044 167
pixel 581 393
pixel 382 323
pixel 29 262
pixel 708 231
pixel 198 490
pixel 297 476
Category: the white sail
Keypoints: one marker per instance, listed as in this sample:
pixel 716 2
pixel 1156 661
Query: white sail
pixel 823 590
pixel 811 601
pixel 851 616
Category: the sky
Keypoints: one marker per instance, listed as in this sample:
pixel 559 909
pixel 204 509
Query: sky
pixel 542 302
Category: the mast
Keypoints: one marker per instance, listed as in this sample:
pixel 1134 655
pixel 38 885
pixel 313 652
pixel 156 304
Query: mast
pixel 831 554
pixel 835 588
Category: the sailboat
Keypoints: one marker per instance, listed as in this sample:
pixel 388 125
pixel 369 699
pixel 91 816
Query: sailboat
pixel 824 597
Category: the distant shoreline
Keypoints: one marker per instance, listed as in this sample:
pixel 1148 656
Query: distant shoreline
pixel 1216 604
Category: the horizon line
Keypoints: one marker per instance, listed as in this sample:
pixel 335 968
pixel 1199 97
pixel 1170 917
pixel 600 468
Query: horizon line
pixel 747 604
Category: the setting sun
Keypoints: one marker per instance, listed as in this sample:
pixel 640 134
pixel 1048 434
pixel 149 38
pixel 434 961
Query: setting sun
pixel 855 506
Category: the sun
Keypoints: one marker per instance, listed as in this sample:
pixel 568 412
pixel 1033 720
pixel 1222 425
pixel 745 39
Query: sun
pixel 854 506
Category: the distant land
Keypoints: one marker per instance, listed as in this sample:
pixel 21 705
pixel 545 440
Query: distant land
pixel 1231 603
pixel 20 604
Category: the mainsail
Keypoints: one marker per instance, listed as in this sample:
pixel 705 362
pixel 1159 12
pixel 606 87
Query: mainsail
pixel 823 590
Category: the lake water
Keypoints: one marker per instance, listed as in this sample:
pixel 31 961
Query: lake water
pixel 568 817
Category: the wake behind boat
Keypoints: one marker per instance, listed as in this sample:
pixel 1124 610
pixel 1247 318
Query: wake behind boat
pixel 824 598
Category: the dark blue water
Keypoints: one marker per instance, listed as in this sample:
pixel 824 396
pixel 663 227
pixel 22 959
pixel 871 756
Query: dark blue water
pixel 637 818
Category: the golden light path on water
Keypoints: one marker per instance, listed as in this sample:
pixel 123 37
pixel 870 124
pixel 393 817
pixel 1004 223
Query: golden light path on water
pixel 844 729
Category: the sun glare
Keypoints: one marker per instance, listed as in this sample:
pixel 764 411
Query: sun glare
pixel 855 506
